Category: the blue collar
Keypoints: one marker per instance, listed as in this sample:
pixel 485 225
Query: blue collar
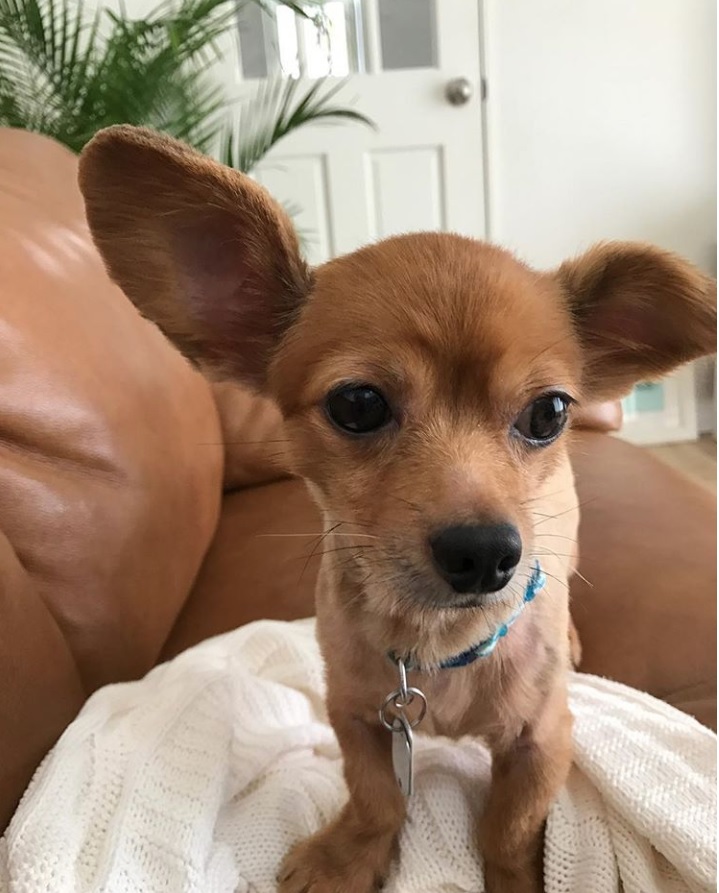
pixel 535 585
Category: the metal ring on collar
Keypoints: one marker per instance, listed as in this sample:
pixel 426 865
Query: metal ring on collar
pixel 404 698
pixel 392 699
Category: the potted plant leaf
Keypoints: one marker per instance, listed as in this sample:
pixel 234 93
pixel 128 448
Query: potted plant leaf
pixel 66 71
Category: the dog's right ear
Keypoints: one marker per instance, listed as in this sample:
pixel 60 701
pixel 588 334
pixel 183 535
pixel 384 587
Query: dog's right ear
pixel 200 249
pixel 639 312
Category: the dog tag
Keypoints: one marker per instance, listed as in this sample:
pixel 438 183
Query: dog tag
pixel 402 754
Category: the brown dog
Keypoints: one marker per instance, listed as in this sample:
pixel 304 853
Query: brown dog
pixel 425 382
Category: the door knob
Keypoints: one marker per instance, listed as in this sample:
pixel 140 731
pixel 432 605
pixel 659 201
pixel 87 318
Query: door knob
pixel 458 91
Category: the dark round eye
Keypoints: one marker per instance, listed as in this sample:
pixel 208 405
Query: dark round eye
pixel 358 409
pixel 544 419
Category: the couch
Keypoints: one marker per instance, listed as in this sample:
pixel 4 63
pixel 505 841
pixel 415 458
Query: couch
pixel 134 495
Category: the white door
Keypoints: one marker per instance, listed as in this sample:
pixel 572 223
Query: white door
pixel 422 168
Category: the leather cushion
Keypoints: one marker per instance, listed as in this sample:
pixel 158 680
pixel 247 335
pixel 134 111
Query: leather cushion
pixel 108 497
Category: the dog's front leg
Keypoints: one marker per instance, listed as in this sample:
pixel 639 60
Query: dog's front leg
pixel 527 773
pixel 353 853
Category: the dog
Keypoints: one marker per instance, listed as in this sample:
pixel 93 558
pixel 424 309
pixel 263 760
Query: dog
pixel 427 384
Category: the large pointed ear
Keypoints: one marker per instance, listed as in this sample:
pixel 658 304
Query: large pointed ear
pixel 639 311
pixel 200 249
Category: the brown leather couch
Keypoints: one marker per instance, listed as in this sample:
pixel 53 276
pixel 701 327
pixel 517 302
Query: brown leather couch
pixel 134 496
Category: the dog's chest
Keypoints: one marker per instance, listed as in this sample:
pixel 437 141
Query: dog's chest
pixel 490 694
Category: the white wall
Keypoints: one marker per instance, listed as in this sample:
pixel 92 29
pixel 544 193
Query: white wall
pixel 602 124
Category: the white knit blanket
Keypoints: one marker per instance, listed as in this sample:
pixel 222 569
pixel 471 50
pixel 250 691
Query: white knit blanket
pixel 200 776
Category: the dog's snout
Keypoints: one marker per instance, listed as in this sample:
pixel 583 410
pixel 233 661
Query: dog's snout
pixel 476 557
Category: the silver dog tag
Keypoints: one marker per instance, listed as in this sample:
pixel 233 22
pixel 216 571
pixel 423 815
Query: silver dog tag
pixel 402 754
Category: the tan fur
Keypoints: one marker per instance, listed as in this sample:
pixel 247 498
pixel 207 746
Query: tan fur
pixel 460 337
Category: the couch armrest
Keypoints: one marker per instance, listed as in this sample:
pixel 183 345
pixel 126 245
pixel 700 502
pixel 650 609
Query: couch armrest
pixel 647 546
pixel 109 497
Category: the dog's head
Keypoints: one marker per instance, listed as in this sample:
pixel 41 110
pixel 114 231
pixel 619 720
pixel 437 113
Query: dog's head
pixel 426 381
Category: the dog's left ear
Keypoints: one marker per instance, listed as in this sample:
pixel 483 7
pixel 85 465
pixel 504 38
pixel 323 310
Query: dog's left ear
pixel 201 250
pixel 639 311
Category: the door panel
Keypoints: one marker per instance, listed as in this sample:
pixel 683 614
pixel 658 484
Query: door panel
pixel 422 168
pixel 392 206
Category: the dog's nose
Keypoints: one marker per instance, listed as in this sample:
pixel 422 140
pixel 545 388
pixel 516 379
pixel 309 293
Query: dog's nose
pixel 476 557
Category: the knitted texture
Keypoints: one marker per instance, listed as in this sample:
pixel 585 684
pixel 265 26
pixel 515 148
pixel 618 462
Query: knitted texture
pixel 201 776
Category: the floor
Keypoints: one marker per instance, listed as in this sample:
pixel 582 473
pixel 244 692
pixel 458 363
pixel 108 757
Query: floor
pixel 697 459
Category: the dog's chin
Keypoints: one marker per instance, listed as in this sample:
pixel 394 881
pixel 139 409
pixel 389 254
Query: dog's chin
pixel 465 600
pixel 462 601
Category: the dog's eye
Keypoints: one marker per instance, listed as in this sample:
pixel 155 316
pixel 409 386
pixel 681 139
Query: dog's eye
pixel 358 409
pixel 544 419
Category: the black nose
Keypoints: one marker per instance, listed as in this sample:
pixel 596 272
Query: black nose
pixel 475 557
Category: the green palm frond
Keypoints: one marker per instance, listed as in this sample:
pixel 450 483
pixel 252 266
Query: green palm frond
pixel 44 51
pixel 155 72
pixel 278 108
pixel 67 71
pixel 59 75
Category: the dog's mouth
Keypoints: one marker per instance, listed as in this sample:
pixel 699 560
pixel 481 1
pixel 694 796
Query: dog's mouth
pixel 436 595
pixel 472 600
pixel 405 586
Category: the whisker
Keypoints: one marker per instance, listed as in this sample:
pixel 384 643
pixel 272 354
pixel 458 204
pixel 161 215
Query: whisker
pixel 582 577
pixel 237 442
pixel 528 576
pixel 355 550
pixel 559 536
pixel 363 535
pixel 558 579
pixel 547 495
pixel 413 505
pixel 316 546
pixel 562 555
pixel 573 508
pixel 316 554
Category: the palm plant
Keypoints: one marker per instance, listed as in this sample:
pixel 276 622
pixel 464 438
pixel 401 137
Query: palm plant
pixel 67 72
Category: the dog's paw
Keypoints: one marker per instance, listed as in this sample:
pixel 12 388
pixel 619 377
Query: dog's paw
pixel 335 861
